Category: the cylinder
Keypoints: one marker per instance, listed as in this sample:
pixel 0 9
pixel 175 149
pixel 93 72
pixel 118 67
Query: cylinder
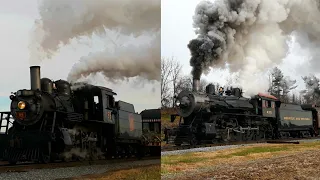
pixel 196 84
pixel 35 77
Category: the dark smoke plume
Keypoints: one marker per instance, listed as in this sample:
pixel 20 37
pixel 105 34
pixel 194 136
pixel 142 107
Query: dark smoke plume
pixel 249 35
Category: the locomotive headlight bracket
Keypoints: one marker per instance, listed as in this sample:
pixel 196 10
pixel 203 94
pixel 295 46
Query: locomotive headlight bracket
pixel 21 105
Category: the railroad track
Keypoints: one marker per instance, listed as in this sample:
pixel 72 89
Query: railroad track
pixel 286 141
pixel 24 167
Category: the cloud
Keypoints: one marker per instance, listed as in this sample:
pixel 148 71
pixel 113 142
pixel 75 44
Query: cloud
pixel 14 71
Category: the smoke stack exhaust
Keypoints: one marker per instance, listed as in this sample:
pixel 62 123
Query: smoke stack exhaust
pixel 196 84
pixel 35 77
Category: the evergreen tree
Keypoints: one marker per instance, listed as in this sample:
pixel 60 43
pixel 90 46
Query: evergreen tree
pixel 280 85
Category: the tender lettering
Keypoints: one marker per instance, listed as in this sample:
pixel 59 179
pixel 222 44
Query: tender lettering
pixel 296 118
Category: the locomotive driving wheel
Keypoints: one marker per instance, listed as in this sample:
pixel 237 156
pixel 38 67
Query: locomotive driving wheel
pixel 45 155
pixel 193 140
pixel 45 159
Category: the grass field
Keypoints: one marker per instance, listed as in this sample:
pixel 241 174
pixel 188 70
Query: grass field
pixel 192 161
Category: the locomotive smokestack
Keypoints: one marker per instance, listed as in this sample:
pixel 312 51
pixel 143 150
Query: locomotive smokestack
pixel 35 77
pixel 196 84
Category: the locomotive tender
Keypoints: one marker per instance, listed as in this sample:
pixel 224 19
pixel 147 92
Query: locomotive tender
pixel 212 117
pixel 52 121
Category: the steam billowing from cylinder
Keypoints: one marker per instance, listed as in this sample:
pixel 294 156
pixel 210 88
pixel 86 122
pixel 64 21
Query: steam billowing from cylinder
pixel 35 78
pixel 250 35
pixel 61 21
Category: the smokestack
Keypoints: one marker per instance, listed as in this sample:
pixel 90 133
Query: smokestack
pixel 35 77
pixel 196 84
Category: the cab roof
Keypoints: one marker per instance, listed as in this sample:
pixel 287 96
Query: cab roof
pixel 267 96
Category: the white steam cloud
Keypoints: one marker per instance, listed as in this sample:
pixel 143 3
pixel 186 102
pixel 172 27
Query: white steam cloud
pixel 61 21
pixel 124 62
pixel 251 36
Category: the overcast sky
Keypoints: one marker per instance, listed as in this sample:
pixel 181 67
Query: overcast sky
pixel 17 19
pixel 177 31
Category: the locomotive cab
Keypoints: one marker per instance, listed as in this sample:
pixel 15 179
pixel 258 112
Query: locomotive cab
pixel 265 105
pixel 96 103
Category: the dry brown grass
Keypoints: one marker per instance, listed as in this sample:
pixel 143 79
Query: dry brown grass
pixel 194 161
pixel 140 173
pixel 298 166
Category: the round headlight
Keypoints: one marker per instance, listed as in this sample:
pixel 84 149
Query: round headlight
pixel 21 105
pixel 177 103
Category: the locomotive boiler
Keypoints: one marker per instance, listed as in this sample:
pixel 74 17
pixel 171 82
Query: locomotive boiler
pixel 52 122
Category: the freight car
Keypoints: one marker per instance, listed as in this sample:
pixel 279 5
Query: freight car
pixel 52 121
pixel 211 117
pixel 151 125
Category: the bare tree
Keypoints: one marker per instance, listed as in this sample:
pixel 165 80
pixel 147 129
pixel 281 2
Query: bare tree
pixel 166 70
pixel 170 73
pixel 202 85
pixel 184 84
pixel 176 72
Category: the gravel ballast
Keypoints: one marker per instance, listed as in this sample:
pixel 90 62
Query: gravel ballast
pixel 68 172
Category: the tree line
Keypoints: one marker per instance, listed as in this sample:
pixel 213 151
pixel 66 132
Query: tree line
pixel 280 86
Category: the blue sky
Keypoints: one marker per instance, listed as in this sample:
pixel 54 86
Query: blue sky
pixel 17 20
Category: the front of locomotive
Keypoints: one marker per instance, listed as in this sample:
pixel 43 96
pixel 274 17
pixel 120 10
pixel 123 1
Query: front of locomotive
pixel 188 103
pixel 28 106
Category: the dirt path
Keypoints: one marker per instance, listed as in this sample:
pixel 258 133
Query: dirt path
pixel 300 166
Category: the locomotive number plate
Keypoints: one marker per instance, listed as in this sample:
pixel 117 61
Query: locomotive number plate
pixel 21 115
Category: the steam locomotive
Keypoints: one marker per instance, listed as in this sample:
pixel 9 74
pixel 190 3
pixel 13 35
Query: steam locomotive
pixel 214 117
pixel 52 121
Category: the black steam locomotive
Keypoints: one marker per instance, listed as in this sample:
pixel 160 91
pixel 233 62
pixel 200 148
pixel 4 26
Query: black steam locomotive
pixel 214 117
pixel 56 120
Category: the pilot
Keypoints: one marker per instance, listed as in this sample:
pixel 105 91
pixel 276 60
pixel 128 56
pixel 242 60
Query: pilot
pixel 221 90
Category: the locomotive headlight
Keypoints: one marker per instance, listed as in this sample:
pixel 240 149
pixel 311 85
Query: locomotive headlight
pixel 21 105
pixel 177 103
